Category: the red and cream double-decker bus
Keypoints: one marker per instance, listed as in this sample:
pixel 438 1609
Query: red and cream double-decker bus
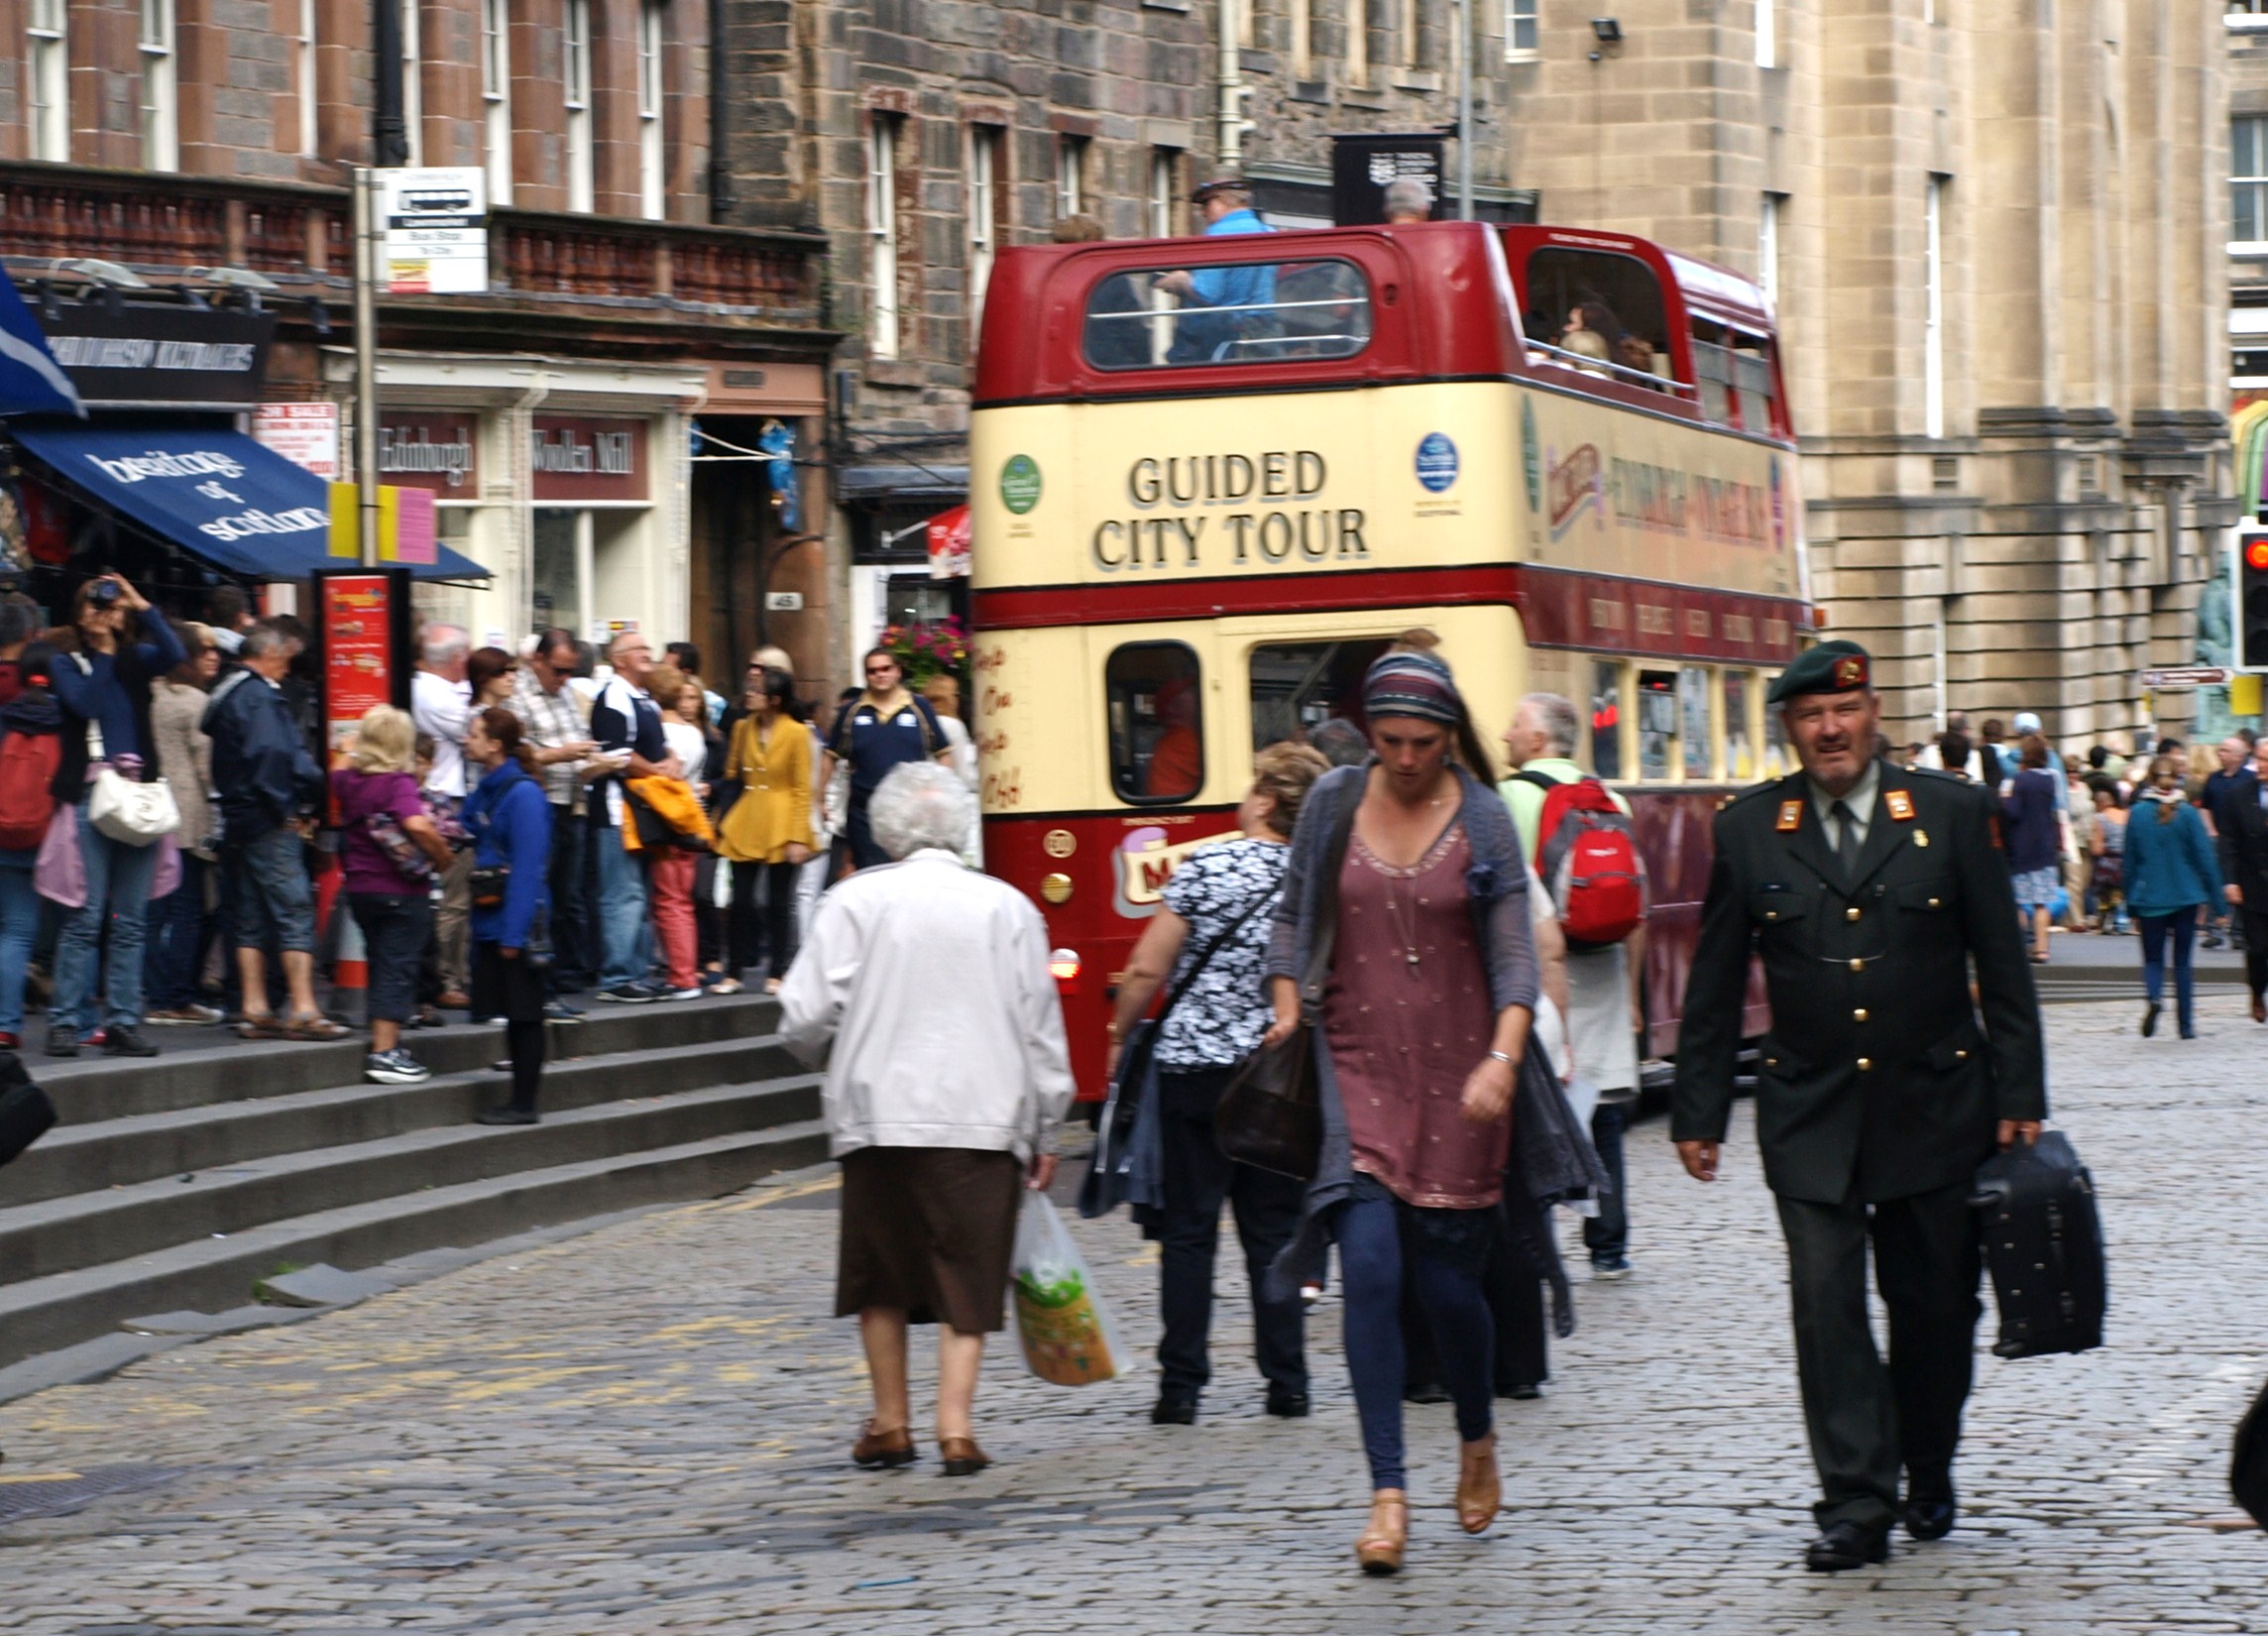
pixel 1212 479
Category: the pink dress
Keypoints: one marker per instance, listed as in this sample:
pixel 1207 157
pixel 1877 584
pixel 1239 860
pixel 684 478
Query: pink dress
pixel 1403 1036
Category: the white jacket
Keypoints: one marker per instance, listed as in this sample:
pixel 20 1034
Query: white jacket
pixel 933 983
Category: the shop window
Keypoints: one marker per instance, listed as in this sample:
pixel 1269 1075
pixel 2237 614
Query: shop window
pixel 1241 312
pixel 1779 758
pixel 560 568
pixel 1298 686
pixel 1157 722
pixel 1601 312
pixel 1693 711
pixel 1740 750
pixel 1657 723
pixel 1607 719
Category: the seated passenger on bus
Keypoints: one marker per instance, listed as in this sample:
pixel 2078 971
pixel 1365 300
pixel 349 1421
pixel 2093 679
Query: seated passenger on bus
pixel 1177 757
pixel 1201 335
pixel 1594 332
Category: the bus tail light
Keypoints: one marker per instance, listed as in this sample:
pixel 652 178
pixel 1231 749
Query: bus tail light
pixel 1062 966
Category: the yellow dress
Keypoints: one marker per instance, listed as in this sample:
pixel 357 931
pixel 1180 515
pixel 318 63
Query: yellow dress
pixel 774 808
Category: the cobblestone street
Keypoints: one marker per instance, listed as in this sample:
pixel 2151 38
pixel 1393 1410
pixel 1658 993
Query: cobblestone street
pixel 645 1429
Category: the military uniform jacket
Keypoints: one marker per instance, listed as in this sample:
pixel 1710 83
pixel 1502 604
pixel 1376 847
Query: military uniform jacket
pixel 1880 1075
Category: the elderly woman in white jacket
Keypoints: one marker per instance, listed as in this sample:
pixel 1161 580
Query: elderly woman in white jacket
pixel 948 1079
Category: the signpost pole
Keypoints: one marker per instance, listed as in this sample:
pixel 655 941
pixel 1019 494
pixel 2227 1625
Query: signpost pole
pixel 365 363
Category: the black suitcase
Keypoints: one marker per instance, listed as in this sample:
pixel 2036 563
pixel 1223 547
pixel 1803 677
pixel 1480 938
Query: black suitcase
pixel 2043 1242
pixel 26 1114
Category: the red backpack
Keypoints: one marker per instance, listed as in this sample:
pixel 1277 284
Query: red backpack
pixel 27 763
pixel 1588 861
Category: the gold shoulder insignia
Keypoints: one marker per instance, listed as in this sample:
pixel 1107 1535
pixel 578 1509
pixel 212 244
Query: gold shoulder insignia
pixel 1900 805
pixel 1790 817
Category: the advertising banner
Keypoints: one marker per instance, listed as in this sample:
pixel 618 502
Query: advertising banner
pixel 362 621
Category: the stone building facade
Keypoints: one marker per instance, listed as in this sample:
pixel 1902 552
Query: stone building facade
pixel 1995 237
pixel 176 135
pixel 922 138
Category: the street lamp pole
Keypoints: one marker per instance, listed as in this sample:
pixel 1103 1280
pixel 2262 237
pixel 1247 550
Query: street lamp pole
pixel 365 363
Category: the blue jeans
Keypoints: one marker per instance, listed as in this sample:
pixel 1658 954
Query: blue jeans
pixel 178 925
pixel 2182 927
pixel 626 929
pixel 1443 1252
pixel 117 892
pixel 277 908
pixel 1606 1234
pixel 18 925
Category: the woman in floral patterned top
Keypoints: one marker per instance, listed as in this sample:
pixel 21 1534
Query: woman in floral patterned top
pixel 1221 900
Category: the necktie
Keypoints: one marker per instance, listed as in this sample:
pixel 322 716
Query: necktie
pixel 1847 839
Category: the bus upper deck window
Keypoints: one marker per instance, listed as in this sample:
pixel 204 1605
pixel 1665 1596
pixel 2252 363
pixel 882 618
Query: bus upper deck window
pixel 1607 719
pixel 1300 688
pixel 1693 708
pixel 1657 723
pixel 1236 312
pixel 1157 722
pixel 1753 380
pixel 1601 312
pixel 1713 371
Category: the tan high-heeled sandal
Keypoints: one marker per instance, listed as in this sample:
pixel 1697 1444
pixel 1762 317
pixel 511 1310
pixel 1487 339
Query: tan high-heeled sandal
pixel 1383 1541
pixel 1480 1492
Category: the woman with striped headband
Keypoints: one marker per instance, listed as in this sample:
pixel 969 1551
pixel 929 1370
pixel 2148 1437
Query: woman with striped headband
pixel 1423 1001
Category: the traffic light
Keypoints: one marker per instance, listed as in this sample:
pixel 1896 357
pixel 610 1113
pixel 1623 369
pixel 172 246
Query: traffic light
pixel 2248 602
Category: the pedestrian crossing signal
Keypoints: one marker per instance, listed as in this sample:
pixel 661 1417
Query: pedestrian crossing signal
pixel 2248 602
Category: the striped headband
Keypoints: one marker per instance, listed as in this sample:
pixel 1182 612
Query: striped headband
pixel 1413 684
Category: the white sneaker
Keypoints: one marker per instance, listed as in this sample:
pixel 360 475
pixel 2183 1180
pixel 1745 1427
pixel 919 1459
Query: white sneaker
pixel 684 994
pixel 396 1067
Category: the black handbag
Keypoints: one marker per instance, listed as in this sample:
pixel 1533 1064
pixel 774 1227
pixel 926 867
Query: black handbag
pixel 1271 1117
pixel 1112 1159
pixel 2043 1242
pixel 486 885
pixel 26 1115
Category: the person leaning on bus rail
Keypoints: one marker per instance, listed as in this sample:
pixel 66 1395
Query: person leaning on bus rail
pixel 1216 910
pixel 1226 204
pixel 1867 892
pixel 1432 988
pixel 938 1094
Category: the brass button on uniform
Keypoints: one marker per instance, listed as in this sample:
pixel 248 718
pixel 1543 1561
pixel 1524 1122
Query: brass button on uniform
pixel 1961 1056
pixel 1858 965
pixel 1853 912
pixel 1860 1016
pixel 1933 903
pixel 1865 1064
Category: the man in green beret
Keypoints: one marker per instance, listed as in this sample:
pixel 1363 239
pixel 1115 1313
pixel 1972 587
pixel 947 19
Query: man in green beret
pixel 1867 891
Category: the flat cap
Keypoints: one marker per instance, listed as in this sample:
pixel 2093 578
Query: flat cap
pixel 1218 185
pixel 1831 667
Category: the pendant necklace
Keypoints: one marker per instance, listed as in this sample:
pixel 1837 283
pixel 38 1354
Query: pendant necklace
pixel 1407 938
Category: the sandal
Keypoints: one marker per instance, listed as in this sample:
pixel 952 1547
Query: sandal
pixel 1480 1492
pixel 1388 1534
pixel 264 1026
pixel 317 1027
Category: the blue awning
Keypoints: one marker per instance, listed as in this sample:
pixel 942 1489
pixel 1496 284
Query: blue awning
pixel 218 494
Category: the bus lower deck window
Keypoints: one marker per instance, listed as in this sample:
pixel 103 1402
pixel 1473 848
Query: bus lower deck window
pixel 1157 722
pixel 1232 313
pixel 1657 723
pixel 1739 754
pixel 1607 719
pixel 1299 687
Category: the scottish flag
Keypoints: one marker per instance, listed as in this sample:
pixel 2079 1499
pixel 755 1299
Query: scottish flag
pixel 31 381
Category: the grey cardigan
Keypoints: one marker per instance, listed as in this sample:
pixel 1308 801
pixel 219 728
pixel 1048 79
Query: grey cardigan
pixel 1551 1157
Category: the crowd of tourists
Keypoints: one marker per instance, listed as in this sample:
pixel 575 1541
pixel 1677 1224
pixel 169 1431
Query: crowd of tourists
pixel 541 828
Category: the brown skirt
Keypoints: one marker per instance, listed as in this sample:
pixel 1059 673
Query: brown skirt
pixel 928 1230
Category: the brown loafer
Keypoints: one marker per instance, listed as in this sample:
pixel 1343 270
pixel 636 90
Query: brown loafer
pixel 963 1458
pixel 875 1449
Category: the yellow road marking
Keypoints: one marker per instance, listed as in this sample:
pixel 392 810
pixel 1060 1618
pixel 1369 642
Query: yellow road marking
pixel 41 1476
pixel 781 1195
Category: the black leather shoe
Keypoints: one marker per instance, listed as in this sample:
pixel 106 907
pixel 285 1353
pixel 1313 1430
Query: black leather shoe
pixel 1173 1411
pixel 1521 1391
pixel 1930 1507
pixel 118 1040
pixel 1848 1545
pixel 1287 1405
pixel 62 1040
pixel 1425 1391
pixel 508 1114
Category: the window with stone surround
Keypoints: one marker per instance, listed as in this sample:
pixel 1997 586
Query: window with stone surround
pixel 2249 179
pixel 50 76
pixel 1933 308
pixel 159 99
pixel 1767 34
pixel 496 97
pixel 1301 15
pixel 1357 42
pixel 575 50
pixel 1165 191
pixel 651 13
pixel 985 145
pixel 1071 176
pixel 882 233
pixel 1520 28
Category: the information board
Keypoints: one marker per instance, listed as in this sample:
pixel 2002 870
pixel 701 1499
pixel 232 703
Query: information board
pixel 436 230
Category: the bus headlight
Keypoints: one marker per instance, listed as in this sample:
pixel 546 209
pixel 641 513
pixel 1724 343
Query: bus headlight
pixel 1056 888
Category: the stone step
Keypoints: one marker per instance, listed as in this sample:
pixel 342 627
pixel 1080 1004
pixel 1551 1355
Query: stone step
pixel 201 1067
pixel 86 1229
pixel 143 1147
pixel 44 1314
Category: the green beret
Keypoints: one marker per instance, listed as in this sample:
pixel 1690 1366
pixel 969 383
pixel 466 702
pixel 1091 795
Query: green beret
pixel 1831 667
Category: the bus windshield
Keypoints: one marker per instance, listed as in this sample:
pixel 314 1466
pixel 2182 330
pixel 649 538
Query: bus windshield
pixel 1234 312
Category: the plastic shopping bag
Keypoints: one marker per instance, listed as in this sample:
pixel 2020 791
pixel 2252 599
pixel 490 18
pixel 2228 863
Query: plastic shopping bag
pixel 58 874
pixel 1059 1317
